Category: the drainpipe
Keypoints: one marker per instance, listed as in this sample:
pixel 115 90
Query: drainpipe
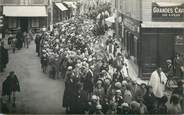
pixel 51 14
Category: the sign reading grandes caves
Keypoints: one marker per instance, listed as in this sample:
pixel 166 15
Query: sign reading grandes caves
pixel 167 13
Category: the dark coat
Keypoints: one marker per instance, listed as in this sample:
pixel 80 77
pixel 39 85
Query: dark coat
pixel 6 90
pixel 19 37
pixel 149 100
pixel 88 82
pixel 68 93
pixel 37 42
pixel 80 103
pixel 14 83
pixel 4 58
pixel 11 84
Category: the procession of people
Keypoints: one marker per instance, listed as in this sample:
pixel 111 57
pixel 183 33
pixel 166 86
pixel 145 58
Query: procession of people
pixel 81 52
pixel 96 75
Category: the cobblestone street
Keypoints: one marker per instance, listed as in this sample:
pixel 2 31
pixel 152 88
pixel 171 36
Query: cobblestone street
pixel 39 93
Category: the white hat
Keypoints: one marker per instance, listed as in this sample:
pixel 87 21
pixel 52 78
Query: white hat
pixel 118 85
pixel 85 59
pixel 99 82
pixel 92 67
pixel 57 40
pixel 125 105
pixel 99 106
pixel 90 59
pixel 118 91
pixel 169 61
pixel 70 68
pixel 124 82
pixel 94 97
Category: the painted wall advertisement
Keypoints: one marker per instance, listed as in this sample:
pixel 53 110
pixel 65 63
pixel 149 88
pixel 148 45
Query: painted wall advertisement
pixel 162 12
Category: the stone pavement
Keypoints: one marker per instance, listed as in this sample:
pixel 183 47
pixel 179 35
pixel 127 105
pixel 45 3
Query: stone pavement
pixel 39 94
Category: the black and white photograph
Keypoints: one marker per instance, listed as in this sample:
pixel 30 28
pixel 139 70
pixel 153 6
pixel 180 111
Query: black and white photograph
pixel 92 57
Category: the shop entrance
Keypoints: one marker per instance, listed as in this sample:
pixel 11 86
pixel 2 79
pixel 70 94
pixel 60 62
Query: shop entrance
pixel 24 24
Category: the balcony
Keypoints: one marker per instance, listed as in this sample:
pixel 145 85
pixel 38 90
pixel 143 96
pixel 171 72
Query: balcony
pixel 24 2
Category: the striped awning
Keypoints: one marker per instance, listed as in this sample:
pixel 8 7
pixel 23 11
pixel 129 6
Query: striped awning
pixel 61 6
pixel 71 4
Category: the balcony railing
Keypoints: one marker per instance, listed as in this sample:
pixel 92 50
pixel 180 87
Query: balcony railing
pixel 24 2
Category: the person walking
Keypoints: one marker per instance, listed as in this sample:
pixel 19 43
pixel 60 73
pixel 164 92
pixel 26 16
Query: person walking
pixel 11 86
pixel 37 42
pixel 19 37
pixel 3 57
pixel 13 44
pixel 10 38
pixel 27 39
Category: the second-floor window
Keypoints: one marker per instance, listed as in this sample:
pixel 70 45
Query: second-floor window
pixel 25 2
pixel 38 1
pixel 11 1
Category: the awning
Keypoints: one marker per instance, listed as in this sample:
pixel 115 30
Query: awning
pixel 162 25
pixel 61 6
pixel 71 4
pixel 169 3
pixel 24 11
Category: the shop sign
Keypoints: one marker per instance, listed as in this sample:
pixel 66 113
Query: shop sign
pixel 132 25
pixel 167 13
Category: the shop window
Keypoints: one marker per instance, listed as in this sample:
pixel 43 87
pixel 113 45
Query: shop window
pixel 35 22
pixel 12 23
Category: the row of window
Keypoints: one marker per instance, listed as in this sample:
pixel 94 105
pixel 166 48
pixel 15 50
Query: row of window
pixel 25 2
pixel 13 22
pixel 131 8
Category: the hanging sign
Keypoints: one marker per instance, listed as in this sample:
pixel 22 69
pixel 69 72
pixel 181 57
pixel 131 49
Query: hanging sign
pixel 167 13
pixel 132 25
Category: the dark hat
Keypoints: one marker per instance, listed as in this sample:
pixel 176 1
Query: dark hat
pixel 179 83
pixel 12 72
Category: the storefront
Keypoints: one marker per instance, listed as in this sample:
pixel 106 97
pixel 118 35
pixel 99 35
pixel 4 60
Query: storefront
pixel 26 17
pixel 60 12
pixel 161 38
pixel 131 37
pixel 72 6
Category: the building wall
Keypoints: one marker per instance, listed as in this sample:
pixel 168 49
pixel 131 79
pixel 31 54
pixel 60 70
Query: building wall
pixel 147 8
pixel 130 8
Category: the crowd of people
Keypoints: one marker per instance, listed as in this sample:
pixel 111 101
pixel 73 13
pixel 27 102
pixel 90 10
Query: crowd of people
pixel 96 75
pixel 20 39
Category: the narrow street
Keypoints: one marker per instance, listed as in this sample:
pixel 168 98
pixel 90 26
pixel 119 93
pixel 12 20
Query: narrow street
pixel 39 93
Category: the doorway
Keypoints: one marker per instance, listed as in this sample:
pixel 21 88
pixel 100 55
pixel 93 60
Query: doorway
pixel 24 24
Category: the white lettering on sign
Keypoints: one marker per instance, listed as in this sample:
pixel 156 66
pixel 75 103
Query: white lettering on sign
pixel 162 10
pixel 179 10
pixel 169 13
pixel 131 25
pixel 168 10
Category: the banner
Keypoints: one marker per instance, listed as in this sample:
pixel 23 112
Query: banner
pixel 167 13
